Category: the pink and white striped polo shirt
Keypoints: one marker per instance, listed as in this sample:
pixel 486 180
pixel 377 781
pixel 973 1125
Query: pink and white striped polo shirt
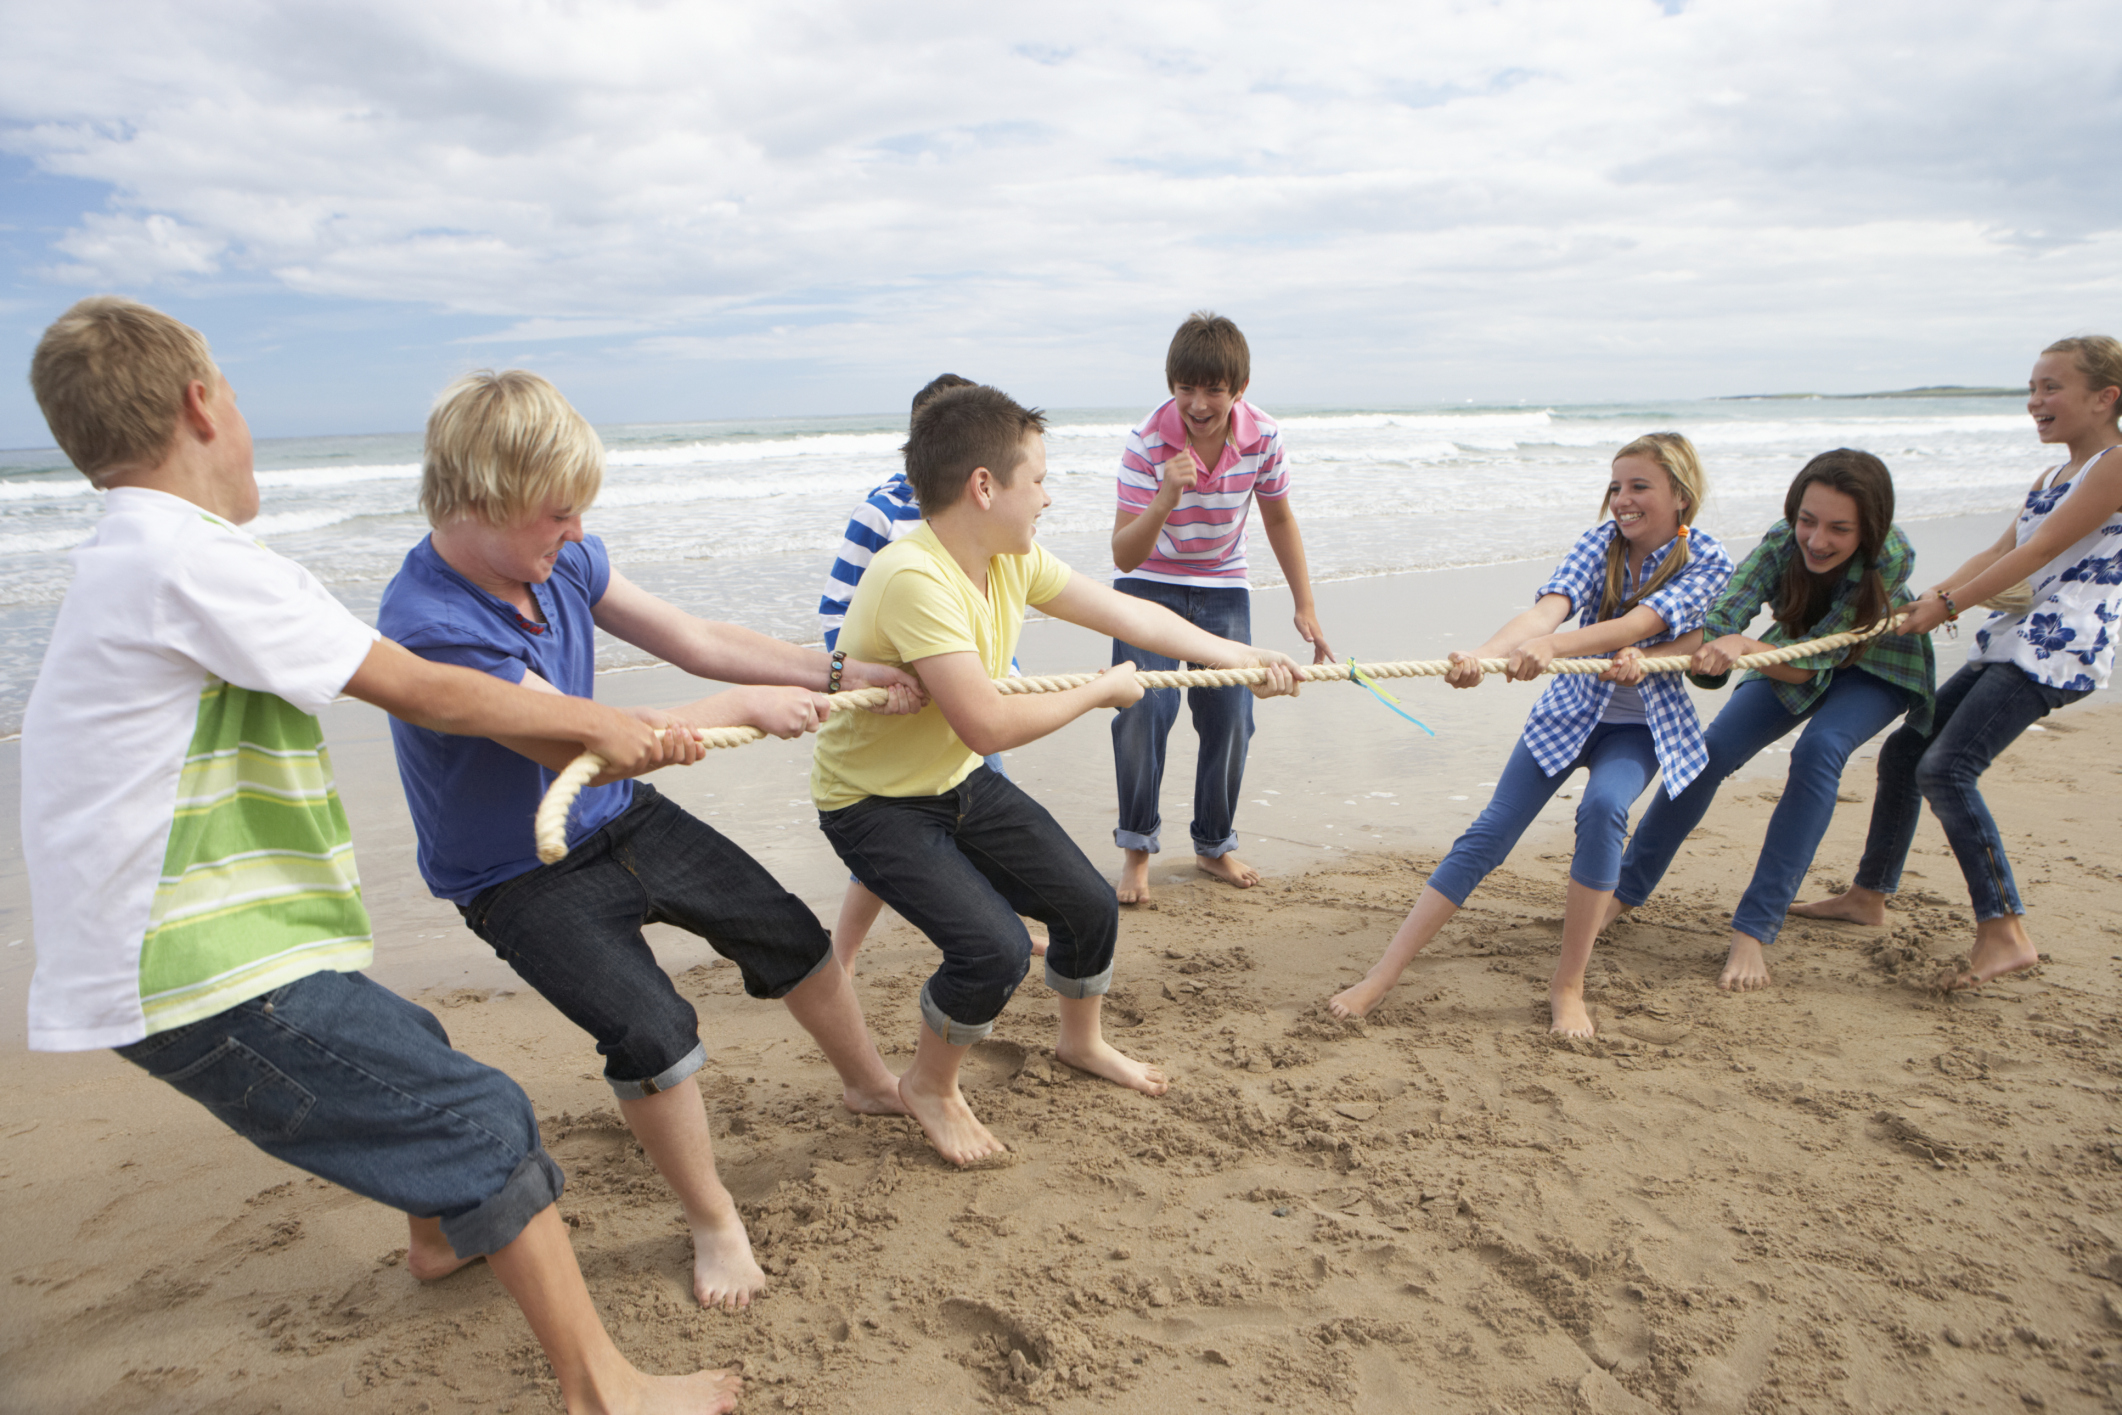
pixel 1203 540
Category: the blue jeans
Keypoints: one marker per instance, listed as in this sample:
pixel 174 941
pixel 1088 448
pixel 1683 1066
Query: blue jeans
pixel 1621 759
pixel 1223 721
pixel 961 867
pixel 1855 706
pixel 352 1083
pixel 572 930
pixel 1982 709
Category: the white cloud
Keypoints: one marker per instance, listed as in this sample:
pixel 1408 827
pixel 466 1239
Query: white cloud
pixel 1396 191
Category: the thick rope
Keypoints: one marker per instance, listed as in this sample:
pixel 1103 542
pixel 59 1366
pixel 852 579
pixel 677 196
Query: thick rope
pixel 550 825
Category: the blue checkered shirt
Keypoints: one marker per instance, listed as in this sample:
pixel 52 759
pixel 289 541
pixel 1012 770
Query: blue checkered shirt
pixel 1568 711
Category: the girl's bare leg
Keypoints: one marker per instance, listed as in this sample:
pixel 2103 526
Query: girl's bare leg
pixel 538 1269
pixel 1416 930
pixel 1582 917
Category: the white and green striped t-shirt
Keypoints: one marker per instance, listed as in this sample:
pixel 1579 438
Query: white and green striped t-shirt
pixel 186 848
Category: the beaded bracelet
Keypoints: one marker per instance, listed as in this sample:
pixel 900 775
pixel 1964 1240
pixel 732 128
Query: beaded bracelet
pixel 832 681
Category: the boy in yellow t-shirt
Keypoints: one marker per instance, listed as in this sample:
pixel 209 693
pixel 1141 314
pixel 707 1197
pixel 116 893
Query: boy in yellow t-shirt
pixel 957 849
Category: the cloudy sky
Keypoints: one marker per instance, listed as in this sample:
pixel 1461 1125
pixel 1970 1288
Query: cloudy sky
pixel 698 210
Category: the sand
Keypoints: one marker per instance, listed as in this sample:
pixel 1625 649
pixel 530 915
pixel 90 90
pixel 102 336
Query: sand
pixel 1844 1192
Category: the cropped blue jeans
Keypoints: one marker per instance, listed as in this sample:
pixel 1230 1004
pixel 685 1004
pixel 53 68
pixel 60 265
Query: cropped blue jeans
pixel 1982 709
pixel 1855 706
pixel 352 1083
pixel 1621 760
pixel 1223 721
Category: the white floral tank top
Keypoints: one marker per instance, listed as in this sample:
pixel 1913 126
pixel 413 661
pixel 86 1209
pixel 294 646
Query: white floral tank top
pixel 2067 638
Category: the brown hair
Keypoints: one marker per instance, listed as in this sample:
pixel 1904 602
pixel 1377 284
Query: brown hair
pixel 1208 349
pixel 1676 455
pixel 2099 358
pixel 110 375
pixel 500 445
pixel 1864 479
pixel 962 429
pixel 941 383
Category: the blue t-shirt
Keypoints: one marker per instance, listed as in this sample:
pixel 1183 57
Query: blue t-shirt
pixel 472 799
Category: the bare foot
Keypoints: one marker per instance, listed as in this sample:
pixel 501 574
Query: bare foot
pixel 1614 910
pixel 701 1393
pixel 884 1100
pixel 1133 887
pixel 1855 905
pixel 951 1127
pixel 1230 869
pixel 1747 968
pixel 1570 1018
pixel 1357 1001
pixel 725 1274
pixel 1038 932
pixel 1100 1058
pixel 2001 946
pixel 429 1255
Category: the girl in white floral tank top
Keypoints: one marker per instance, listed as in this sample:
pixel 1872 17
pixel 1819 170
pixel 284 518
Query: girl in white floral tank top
pixel 2066 542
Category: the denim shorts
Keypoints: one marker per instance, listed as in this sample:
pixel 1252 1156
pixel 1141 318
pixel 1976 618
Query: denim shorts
pixel 572 930
pixel 961 867
pixel 352 1083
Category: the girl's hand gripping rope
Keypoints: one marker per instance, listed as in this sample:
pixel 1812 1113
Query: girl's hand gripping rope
pixel 1627 669
pixel 1530 659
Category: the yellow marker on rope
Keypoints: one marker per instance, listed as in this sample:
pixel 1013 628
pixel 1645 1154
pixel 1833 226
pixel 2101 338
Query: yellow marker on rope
pixel 1357 675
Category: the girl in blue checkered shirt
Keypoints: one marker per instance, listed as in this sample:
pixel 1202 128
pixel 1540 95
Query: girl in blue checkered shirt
pixel 1643 578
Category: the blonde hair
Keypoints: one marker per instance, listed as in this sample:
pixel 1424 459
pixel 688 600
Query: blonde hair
pixel 1677 456
pixel 110 375
pixel 501 445
pixel 2099 358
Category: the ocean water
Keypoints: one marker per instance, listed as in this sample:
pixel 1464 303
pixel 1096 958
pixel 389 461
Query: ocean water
pixel 739 520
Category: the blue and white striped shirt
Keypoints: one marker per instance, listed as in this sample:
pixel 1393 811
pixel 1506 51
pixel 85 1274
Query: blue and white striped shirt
pixel 888 513
pixel 1568 711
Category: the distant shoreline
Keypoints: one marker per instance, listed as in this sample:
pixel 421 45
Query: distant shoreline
pixel 1934 390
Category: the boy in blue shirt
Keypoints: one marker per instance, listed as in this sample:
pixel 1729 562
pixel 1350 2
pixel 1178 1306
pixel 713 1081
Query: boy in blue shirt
pixel 509 585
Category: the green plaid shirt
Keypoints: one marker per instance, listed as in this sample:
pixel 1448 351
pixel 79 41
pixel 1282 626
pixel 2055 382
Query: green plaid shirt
pixel 1906 661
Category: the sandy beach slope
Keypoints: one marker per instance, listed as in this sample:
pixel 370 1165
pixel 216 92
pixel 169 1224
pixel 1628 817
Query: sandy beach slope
pixel 1846 1192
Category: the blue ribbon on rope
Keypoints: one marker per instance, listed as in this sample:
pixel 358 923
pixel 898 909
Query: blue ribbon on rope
pixel 1359 677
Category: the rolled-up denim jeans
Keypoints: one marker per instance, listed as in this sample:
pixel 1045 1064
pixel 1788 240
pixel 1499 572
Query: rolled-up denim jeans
pixel 961 867
pixel 1981 710
pixel 572 930
pixel 1223 725
pixel 1854 708
pixel 350 1082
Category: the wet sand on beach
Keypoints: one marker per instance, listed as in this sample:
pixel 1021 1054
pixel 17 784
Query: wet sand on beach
pixel 1844 1192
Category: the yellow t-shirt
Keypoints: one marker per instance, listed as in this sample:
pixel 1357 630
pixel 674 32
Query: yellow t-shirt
pixel 913 603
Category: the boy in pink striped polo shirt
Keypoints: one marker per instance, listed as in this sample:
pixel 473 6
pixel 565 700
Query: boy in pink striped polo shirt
pixel 1187 479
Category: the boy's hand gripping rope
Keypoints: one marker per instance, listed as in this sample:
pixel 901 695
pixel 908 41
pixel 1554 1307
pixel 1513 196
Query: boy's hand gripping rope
pixel 550 826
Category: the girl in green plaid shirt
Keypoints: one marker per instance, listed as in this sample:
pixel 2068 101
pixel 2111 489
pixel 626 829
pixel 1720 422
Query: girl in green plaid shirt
pixel 1835 562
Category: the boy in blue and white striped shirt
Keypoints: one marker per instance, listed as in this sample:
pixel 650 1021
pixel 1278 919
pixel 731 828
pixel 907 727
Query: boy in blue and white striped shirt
pixel 886 514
